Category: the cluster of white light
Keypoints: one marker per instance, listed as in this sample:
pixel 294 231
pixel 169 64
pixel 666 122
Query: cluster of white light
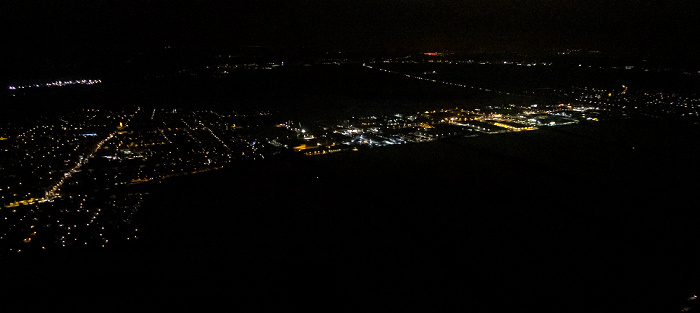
pixel 59 83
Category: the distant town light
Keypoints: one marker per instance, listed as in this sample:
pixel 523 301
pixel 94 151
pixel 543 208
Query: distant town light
pixel 59 83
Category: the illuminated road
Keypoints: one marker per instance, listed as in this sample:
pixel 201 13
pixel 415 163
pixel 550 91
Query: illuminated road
pixel 53 192
pixel 438 81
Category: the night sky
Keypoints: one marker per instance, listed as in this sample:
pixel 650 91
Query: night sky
pixel 69 31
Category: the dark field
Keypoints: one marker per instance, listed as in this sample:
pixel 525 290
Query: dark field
pixel 559 75
pixel 298 93
pixel 587 218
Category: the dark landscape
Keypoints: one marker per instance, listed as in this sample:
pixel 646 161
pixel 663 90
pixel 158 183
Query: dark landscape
pixel 349 156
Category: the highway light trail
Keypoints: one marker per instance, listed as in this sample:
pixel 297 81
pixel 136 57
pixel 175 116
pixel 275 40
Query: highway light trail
pixel 438 81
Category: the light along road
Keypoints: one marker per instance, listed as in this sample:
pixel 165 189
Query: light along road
pixel 54 191
pixel 437 81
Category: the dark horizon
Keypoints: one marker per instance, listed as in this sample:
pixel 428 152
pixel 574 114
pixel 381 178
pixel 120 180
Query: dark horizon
pixel 84 34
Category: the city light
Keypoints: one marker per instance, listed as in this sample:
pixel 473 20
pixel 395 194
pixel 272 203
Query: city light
pixel 58 83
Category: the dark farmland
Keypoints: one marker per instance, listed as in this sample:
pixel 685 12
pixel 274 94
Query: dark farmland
pixel 328 92
pixel 588 218
pixel 561 76
pixel 293 92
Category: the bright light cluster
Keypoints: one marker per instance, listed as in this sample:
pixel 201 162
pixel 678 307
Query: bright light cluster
pixel 59 83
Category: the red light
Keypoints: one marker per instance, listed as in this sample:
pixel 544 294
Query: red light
pixel 430 53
